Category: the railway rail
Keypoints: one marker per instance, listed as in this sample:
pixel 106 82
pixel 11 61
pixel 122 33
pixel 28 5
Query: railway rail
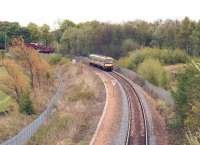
pixel 138 128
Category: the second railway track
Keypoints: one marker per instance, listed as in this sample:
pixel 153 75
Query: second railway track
pixel 138 128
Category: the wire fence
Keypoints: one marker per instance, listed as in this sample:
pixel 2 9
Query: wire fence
pixel 25 134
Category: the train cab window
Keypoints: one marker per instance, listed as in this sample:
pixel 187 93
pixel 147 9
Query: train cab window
pixel 108 61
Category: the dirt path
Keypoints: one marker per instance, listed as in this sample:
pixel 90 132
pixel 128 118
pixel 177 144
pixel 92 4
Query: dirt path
pixel 109 122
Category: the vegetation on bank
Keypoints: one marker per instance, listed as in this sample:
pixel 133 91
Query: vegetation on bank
pixel 55 59
pixel 26 85
pixel 165 57
pixel 75 118
pixel 150 62
pixel 152 70
pixel 184 116
pixel 5 102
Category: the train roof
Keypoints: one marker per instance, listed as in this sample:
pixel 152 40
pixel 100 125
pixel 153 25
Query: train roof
pixel 100 56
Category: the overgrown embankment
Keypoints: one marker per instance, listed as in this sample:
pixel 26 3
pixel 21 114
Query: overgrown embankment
pixel 76 116
pixel 27 82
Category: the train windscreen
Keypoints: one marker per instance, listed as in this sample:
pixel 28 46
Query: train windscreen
pixel 109 61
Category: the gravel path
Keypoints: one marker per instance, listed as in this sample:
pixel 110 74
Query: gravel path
pixel 121 137
pixel 112 117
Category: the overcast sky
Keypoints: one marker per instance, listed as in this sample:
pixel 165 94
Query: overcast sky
pixel 114 11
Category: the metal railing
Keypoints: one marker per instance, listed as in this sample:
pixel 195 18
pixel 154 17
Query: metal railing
pixel 25 134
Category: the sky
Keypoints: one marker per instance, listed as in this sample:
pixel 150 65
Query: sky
pixel 113 11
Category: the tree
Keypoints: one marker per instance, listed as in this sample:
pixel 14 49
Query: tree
pixel 184 35
pixel 195 38
pixel 2 57
pixel 35 66
pixel 143 33
pixel 34 32
pixel 45 34
pixel 25 105
pixel 165 34
pixel 66 24
pixel 25 34
pixel 16 82
pixel 187 97
pixel 129 45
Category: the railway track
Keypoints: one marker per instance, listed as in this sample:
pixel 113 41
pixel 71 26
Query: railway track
pixel 138 129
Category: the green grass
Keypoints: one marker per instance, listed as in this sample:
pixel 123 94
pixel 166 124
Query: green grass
pixel 5 101
pixel 2 72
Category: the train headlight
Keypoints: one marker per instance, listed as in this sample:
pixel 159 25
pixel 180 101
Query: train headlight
pixel 108 64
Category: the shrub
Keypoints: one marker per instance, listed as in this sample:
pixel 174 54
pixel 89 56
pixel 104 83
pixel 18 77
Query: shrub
pixel 153 71
pixel 5 102
pixel 25 105
pixel 64 60
pixel 81 95
pixel 165 56
pixel 126 61
pixel 82 92
pixel 174 121
pixel 129 45
pixel 55 59
pixel 193 138
pixel 187 97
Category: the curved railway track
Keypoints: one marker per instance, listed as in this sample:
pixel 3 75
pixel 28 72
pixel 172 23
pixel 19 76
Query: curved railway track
pixel 138 128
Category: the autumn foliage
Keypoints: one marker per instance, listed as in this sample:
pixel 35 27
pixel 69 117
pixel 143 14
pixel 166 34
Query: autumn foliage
pixel 37 67
pixel 15 82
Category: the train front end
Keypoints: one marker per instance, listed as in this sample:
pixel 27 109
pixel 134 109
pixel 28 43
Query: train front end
pixel 108 64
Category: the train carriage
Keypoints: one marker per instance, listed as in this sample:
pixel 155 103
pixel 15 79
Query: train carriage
pixel 104 62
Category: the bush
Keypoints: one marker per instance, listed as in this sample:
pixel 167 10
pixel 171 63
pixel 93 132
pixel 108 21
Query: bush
pixel 193 138
pixel 165 56
pixel 126 61
pixel 82 92
pixel 64 61
pixel 5 102
pixel 25 105
pixel 55 59
pixel 187 97
pixel 174 121
pixel 81 95
pixel 153 71
pixel 129 45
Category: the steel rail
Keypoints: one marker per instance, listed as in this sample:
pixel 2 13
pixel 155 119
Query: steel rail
pixel 114 74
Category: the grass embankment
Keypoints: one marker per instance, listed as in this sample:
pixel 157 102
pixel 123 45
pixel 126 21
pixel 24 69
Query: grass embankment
pixel 76 115
pixel 12 119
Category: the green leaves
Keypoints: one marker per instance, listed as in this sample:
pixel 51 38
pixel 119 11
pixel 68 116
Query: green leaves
pixel 153 71
pixel 196 65
pixel 188 97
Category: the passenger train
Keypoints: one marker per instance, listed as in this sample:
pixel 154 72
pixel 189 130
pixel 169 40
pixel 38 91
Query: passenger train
pixel 104 62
